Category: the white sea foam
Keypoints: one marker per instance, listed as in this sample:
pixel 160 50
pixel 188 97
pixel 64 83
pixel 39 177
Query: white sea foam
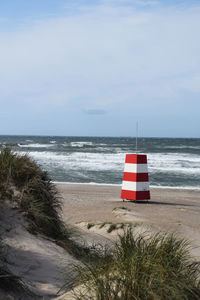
pixel 181 171
pixel 168 163
pixel 37 145
pixel 81 161
pixel 180 147
pixel 92 167
pixel 102 160
pixel 81 144
pixel 174 163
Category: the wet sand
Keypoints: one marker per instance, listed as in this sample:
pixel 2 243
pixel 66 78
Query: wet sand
pixel 168 210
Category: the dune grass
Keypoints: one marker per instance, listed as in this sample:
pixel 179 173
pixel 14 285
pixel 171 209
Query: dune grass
pixel 158 267
pixel 25 182
pixel 113 226
pixel 90 225
pixel 121 208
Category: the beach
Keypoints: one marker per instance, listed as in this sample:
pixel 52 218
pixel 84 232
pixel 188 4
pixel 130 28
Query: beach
pixel 171 210
pixel 41 249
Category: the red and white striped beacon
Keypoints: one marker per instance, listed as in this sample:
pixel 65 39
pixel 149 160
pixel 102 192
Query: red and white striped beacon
pixel 135 185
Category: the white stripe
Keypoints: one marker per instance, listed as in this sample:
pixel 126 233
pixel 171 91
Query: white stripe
pixel 136 168
pixel 135 186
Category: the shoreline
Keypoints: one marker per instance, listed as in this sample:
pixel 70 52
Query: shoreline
pixel 119 185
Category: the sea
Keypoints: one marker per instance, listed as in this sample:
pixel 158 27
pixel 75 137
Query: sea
pixel 172 162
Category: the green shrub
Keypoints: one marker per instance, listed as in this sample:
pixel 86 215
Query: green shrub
pixel 154 268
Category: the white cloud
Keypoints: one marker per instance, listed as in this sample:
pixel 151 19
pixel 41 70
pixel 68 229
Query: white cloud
pixel 103 57
pixel 131 2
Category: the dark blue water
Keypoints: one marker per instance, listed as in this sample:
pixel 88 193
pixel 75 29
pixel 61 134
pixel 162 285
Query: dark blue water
pixel 171 162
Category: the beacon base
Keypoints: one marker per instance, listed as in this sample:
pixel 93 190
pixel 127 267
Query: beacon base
pixel 134 196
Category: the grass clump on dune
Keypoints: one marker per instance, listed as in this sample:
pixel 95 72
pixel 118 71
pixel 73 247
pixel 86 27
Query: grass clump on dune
pixel 22 180
pixel 151 268
pixel 30 189
pixel 90 225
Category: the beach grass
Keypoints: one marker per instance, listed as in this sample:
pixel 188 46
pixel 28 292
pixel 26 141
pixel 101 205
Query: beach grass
pixel 141 267
pixel 112 226
pixel 121 208
pixel 24 182
pixel 90 225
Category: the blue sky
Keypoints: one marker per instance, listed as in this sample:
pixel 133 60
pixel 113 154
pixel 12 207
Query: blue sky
pixel 96 67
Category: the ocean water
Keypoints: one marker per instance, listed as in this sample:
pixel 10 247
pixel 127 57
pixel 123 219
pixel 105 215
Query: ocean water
pixel 171 162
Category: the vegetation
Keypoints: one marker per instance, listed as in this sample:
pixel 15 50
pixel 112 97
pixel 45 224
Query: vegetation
pixel 90 225
pixel 22 180
pixel 25 183
pixel 137 267
pixel 113 226
pixel 141 267
pixel 121 207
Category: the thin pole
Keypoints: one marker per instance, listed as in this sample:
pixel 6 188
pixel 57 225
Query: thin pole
pixel 136 136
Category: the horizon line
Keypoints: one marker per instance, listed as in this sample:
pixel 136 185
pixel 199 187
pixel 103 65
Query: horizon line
pixel 100 136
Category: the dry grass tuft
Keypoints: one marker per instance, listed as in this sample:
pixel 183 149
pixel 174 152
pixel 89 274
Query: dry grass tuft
pixel 141 267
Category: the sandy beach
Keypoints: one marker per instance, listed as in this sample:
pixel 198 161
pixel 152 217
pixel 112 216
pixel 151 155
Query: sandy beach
pixel 171 210
pixel 41 262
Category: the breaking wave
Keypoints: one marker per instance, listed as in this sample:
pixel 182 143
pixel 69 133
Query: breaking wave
pixel 171 162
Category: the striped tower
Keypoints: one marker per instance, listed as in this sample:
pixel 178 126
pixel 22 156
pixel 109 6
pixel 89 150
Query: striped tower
pixel 135 184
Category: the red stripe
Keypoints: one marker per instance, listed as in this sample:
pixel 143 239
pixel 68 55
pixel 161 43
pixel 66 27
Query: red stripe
pixel 136 177
pixel 132 195
pixel 136 159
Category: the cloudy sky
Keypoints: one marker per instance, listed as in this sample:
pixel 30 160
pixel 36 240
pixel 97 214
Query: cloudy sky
pixel 95 67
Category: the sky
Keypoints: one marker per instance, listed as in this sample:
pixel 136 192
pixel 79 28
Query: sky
pixel 95 68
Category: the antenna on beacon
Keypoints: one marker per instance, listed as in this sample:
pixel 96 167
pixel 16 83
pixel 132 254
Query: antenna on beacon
pixel 136 143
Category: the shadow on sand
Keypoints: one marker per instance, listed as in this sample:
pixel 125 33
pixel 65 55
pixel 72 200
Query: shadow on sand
pixel 158 203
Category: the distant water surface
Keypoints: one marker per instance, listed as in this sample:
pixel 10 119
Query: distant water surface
pixel 171 162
